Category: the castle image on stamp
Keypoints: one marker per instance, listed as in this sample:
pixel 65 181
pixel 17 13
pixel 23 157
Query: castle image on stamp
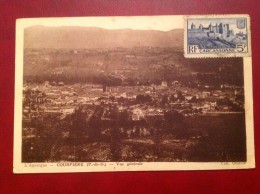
pixel 214 37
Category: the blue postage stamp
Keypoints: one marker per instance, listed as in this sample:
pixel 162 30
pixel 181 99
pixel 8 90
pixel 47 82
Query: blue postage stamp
pixel 217 36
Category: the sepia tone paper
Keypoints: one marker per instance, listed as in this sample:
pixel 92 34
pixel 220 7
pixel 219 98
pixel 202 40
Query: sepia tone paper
pixel 97 94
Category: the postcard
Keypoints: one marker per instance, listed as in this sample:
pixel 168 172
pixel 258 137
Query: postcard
pixel 133 93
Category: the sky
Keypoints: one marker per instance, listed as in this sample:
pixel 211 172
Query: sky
pixel 162 23
pixel 205 22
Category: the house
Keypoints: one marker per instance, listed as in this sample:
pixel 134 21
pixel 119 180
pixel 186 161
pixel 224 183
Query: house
pixel 188 97
pixel 164 83
pixel 67 110
pixel 52 110
pixel 205 94
pixel 61 84
pixel 137 114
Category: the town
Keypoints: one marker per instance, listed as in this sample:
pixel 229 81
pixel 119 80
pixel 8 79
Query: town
pixel 152 100
pixel 137 120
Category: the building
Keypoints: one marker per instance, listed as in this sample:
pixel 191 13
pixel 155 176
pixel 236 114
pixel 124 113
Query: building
pixel 137 114
pixel 193 26
pixel 61 84
pixel 164 83
pixel 104 88
pixel 46 83
pixel 67 110
pixel 218 30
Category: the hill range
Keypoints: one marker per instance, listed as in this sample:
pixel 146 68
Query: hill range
pixel 147 55
pixel 74 37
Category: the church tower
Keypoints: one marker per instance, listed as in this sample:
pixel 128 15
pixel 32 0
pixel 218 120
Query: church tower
pixel 193 27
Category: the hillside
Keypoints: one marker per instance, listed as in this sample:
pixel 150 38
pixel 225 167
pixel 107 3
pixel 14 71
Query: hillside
pixel 83 54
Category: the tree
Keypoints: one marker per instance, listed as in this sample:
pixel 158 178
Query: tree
pixel 173 120
pixel 164 99
pixel 180 96
pixel 123 119
pixel 140 98
pixel 193 99
pixel 78 124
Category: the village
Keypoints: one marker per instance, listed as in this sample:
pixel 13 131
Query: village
pixel 96 117
pixel 129 104
pixel 51 98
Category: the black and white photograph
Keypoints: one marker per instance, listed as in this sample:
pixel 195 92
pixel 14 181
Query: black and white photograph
pixel 125 93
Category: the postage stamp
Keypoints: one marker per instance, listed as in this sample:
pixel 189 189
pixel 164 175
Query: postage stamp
pixel 117 94
pixel 217 36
